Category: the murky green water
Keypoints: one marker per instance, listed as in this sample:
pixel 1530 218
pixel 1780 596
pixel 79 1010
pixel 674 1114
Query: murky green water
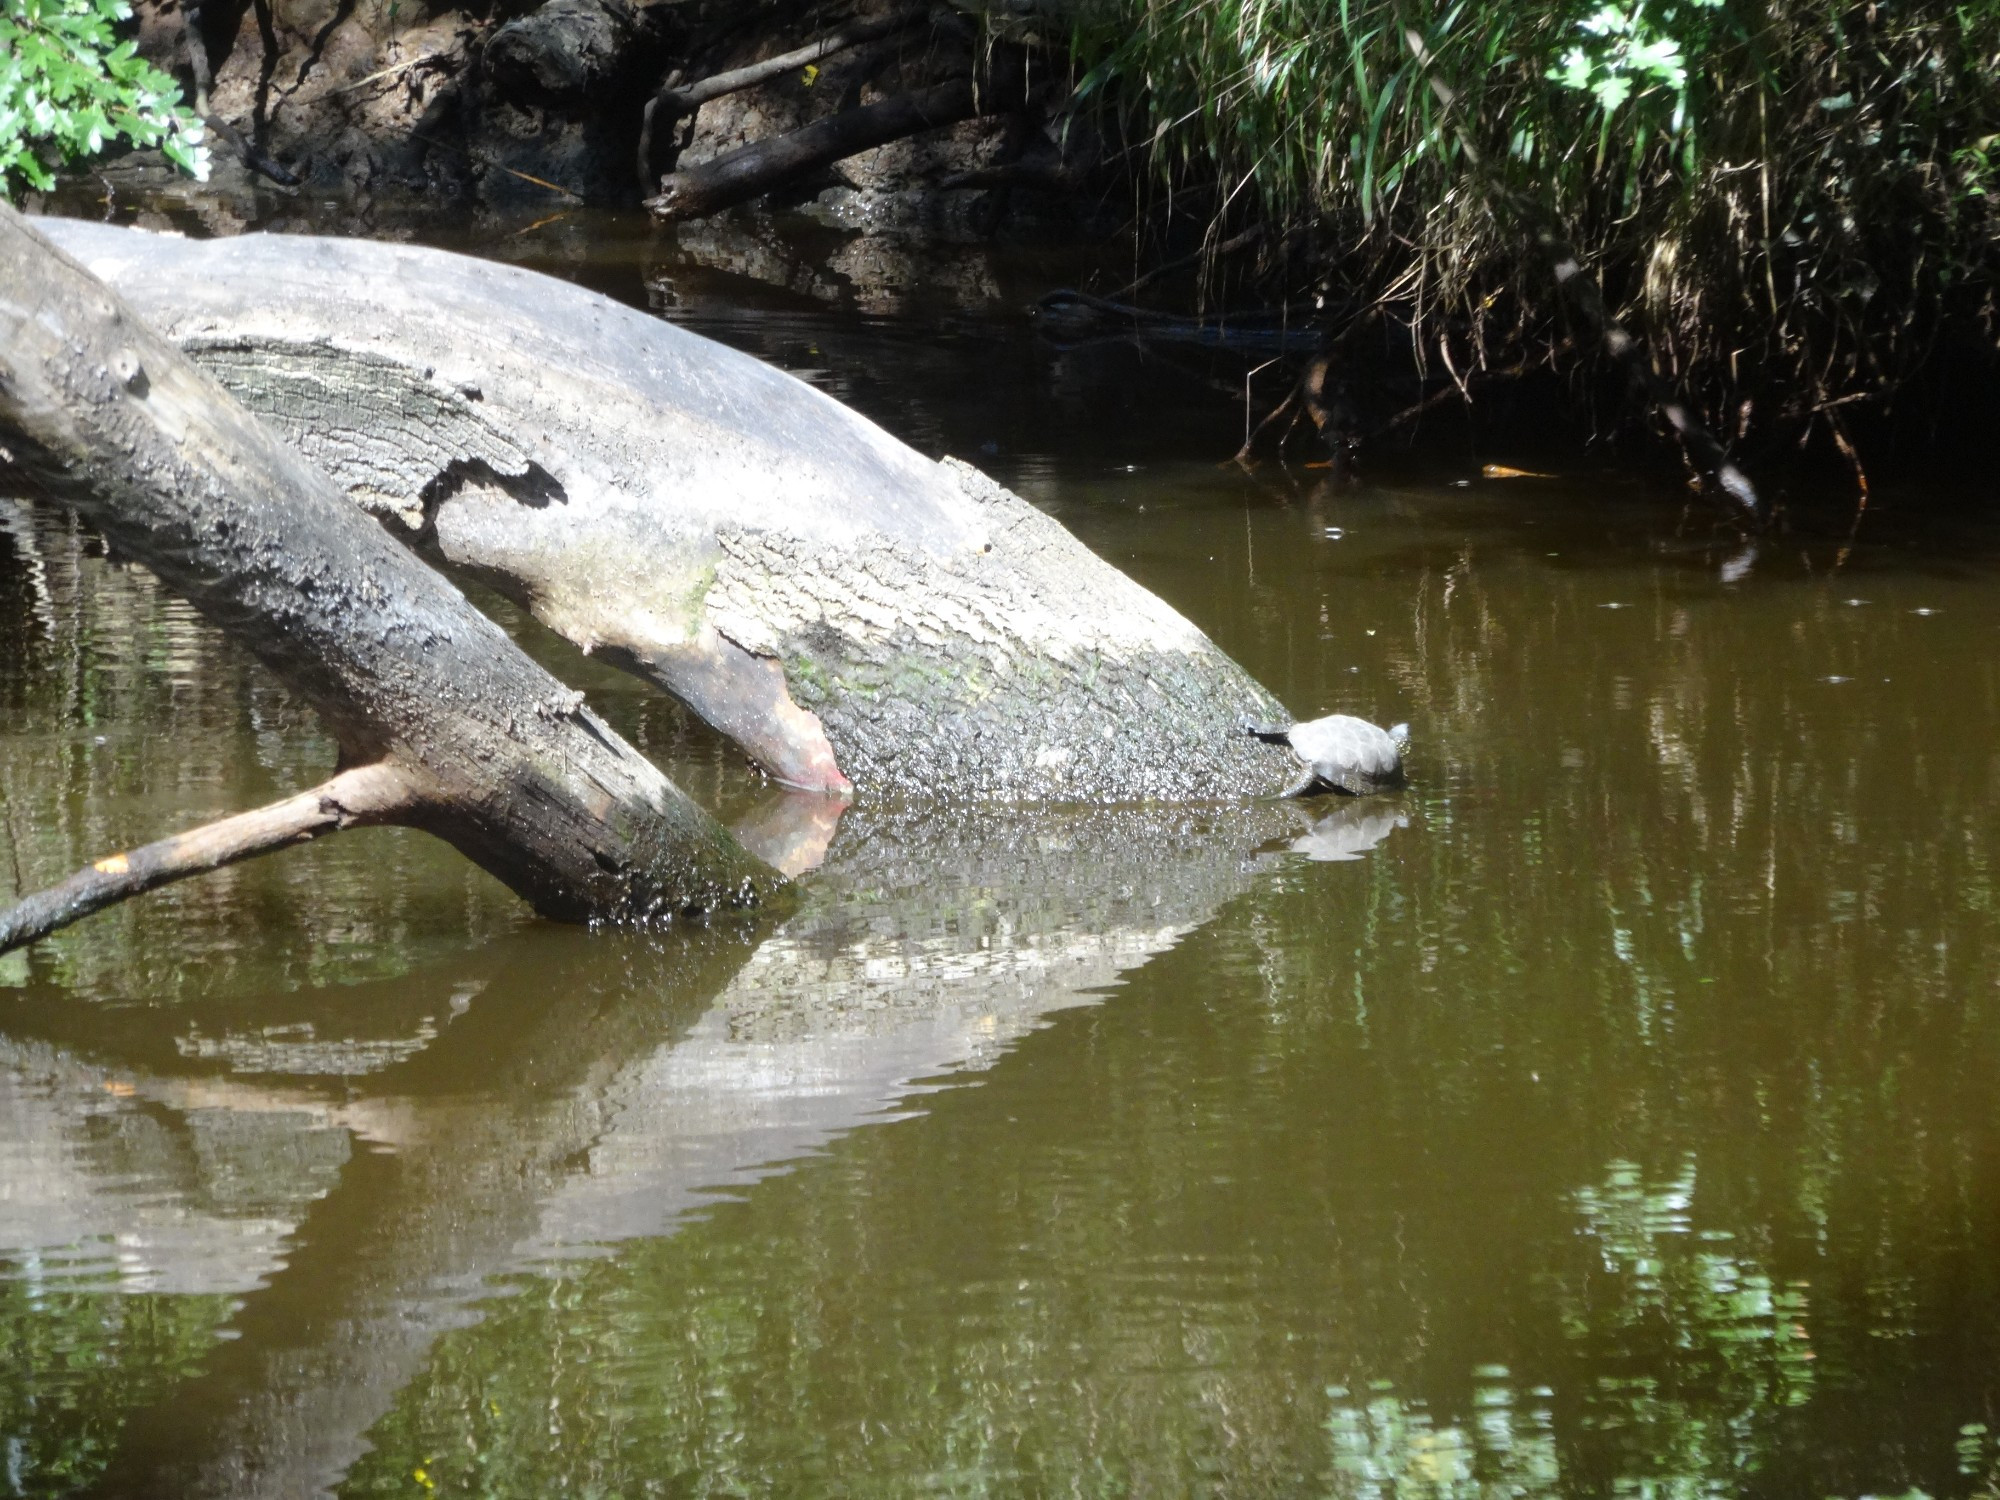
pixel 1612 1113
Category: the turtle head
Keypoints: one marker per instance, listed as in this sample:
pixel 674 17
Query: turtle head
pixel 1270 734
pixel 1400 735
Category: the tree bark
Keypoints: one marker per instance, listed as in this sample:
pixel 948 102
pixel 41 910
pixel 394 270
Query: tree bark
pixel 837 604
pixel 688 98
pixel 672 104
pixel 751 171
pixel 475 742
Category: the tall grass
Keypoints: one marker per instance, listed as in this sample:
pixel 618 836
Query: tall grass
pixel 1790 200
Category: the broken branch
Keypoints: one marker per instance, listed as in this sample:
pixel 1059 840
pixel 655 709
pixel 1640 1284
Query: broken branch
pixel 365 794
pixel 753 170
pixel 685 101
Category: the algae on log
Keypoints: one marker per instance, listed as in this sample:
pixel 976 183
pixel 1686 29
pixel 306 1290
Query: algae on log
pixel 836 603
pixel 442 722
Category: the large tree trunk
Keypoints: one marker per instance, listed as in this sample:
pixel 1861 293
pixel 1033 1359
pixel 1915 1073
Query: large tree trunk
pixel 834 602
pixel 468 737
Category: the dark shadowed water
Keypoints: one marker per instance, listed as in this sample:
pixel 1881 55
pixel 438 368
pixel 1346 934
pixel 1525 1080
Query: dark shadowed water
pixel 1614 1112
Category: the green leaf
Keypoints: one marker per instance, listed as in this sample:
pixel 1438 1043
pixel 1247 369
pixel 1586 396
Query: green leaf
pixel 69 83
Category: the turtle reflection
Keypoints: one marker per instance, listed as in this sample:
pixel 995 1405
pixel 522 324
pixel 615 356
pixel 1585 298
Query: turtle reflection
pixel 1347 831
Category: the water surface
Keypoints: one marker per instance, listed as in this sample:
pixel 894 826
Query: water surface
pixel 1612 1112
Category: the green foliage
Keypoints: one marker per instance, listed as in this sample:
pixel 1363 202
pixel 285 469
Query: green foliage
pixel 67 82
pixel 1619 54
pixel 1795 197
pixel 81 1355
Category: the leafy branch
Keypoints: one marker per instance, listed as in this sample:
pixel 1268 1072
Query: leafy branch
pixel 69 86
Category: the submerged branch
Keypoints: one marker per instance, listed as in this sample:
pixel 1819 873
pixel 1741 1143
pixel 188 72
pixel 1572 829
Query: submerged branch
pixel 379 793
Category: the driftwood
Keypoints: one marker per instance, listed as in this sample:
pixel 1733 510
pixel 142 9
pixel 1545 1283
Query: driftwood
pixel 676 102
pixel 366 794
pixel 686 100
pixel 837 604
pixel 762 166
pixel 442 722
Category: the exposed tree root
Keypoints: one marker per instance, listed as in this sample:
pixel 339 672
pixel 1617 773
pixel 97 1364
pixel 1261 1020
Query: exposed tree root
pixel 1581 286
pixel 1705 451
pixel 197 57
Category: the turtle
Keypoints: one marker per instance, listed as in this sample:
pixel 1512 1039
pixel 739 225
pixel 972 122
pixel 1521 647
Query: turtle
pixel 1340 753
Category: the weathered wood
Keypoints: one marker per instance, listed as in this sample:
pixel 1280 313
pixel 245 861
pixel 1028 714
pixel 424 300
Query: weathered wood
pixel 831 600
pixel 674 103
pixel 763 166
pixel 685 100
pixel 491 752
pixel 366 794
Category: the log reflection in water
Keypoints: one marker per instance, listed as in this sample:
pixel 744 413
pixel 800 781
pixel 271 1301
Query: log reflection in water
pixel 599 1090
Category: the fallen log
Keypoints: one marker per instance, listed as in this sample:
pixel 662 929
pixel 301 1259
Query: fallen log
pixel 673 102
pixel 763 166
pixel 442 722
pixel 837 604
pixel 687 98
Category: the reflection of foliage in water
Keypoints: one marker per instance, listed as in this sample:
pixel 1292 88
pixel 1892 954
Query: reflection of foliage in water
pixel 1705 936
pixel 1712 1349
pixel 127 717
pixel 1713 1306
pixel 1664 900
pixel 1386 1448
pixel 81 1354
